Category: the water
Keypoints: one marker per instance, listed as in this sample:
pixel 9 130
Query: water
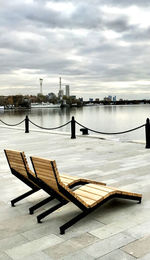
pixel 100 118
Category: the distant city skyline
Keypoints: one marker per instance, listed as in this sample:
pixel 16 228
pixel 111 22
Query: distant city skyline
pixel 98 48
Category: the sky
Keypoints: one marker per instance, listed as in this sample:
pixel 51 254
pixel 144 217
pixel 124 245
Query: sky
pixel 98 47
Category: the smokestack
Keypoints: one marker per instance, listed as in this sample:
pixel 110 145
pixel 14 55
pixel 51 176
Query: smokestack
pixel 60 83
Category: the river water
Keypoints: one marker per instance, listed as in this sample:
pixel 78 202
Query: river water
pixel 100 118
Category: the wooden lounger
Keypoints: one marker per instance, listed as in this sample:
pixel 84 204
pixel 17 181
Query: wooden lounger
pixel 87 197
pixel 19 167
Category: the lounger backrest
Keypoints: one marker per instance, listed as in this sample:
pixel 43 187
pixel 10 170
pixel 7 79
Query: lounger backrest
pixel 17 161
pixel 46 171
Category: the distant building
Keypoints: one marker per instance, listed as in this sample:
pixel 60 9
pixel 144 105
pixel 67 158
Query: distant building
pixel 97 99
pixel 67 90
pixel 114 99
pixel 90 99
pixel 109 98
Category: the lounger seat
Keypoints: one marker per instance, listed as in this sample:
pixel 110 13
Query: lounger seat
pixel 87 197
pixel 92 194
pixel 72 180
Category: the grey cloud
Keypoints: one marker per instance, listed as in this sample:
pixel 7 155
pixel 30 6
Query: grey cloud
pixel 122 3
pixel 137 35
pixel 57 48
pixel 119 24
pixel 85 15
pixel 106 2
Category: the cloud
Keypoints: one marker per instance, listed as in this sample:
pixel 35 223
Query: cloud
pixel 90 44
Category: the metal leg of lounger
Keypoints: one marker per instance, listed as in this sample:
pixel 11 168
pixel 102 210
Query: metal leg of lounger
pixel 129 197
pixel 140 200
pixel 49 211
pixel 72 221
pixel 22 196
pixel 40 204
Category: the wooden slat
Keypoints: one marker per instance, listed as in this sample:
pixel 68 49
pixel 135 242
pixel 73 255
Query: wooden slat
pixel 101 187
pixel 41 160
pixel 21 171
pixel 13 164
pixel 69 176
pixel 52 184
pixel 95 191
pixel 88 195
pixel 64 180
pixel 14 156
pixel 16 159
pixel 43 171
pixel 86 201
pixel 43 165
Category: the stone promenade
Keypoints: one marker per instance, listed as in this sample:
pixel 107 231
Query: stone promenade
pixel 118 230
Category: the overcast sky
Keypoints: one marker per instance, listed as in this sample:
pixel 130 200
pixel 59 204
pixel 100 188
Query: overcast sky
pixel 98 47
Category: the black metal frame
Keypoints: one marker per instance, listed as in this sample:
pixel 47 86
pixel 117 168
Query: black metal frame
pixel 40 204
pixel 33 187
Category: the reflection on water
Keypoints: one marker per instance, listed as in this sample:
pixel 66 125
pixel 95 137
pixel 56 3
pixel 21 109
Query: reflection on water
pixel 100 118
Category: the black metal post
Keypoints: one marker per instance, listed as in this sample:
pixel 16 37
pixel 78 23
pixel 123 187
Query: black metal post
pixel 73 128
pixel 26 124
pixel 147 133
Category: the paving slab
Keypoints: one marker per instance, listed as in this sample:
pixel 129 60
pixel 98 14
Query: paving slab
pixel 145 257
pixel 70 246
pixel 80 255
pixel 104 247
pixel 139 247
pixel 37 256
pixel 32 247
pixel 117 255
pixel 12 242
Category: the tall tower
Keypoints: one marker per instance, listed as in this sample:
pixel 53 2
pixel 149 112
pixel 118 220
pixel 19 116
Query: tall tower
pixel 60 93
pixel 59 83
pixel 41 84
pixel 67 90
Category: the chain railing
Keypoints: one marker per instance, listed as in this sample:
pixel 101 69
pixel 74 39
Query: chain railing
pixel 84 129
pixel 11 124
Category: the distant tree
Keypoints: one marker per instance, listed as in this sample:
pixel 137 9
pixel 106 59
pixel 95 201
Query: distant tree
pixel 41 98
pixel 17 100
pixel 9 101
pixel 2 100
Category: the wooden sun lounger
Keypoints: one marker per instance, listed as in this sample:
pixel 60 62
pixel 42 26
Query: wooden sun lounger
pixel 19 167
pixel 87 197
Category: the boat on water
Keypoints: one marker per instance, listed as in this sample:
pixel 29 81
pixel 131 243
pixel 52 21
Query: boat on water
pixel 1 108
pixel 45 105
